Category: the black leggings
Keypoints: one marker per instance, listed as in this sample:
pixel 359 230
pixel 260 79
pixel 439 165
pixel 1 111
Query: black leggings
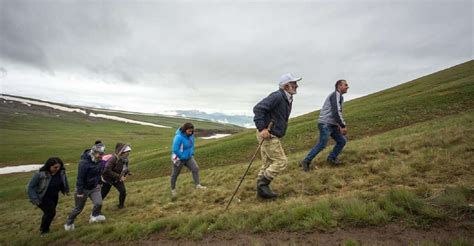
pixel 48 205
pixel 120 186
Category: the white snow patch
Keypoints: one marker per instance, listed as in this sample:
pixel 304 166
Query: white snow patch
pixel 215 136
pixel 62 108
pixel 111 117
pixel 20 169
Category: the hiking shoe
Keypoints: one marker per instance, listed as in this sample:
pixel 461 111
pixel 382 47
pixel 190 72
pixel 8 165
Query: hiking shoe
pixel 69 227
pixel 199 186
pixel 305 165
pixel 173 192
pixel 334 162
pixel 120 206
pixel 97 218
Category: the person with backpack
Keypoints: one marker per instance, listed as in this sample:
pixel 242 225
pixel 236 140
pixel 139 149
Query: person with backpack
pixel 44 187
pixel 330 123
pixel 116 171
pixel 275 108
pixel 88 185
pixel 183 155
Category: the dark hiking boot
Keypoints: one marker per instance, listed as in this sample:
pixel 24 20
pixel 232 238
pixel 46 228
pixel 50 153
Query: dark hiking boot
pixel 305 165
pixel 263 189
pixel 334 162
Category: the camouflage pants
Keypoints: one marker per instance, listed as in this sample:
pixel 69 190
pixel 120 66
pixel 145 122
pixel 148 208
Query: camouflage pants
pixel 274 160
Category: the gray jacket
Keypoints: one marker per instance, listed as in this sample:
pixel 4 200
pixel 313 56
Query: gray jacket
pixel 39 183
pixel 331 112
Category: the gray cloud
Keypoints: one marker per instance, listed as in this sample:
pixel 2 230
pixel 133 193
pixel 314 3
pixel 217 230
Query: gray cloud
pixel 229 55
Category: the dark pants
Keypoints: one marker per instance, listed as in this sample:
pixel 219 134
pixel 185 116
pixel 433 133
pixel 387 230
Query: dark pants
pixel 326 130
pixel 120 186
pixel 48 206
pixel 191 165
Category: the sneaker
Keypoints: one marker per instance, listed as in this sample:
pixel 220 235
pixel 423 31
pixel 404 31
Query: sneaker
pixel 199 186
pixel 305 165
pixel 97 218
pixel 173 192
pixel 69 227
pixel 334 162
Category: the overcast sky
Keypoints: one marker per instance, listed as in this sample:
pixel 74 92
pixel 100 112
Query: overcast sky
pixel 222 56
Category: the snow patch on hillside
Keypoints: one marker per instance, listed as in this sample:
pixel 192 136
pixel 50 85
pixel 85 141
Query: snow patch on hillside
pixel 20 169
pixel 68 109
pixel 111 117
pixel 215 136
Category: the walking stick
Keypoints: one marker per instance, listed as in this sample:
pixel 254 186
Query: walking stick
pixel 246 171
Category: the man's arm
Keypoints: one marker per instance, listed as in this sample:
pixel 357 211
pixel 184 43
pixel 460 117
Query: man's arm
pixel 262 109
pixel 336 109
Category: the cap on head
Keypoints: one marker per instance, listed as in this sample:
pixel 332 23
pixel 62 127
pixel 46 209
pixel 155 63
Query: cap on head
pixel 287 78
pixel 127 149
pixel 98 148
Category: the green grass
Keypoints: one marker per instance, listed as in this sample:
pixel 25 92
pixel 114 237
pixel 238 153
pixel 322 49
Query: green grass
pixel 414 169
pixel 375 191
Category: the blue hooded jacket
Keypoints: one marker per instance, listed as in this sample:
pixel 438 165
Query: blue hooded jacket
pixel 183 146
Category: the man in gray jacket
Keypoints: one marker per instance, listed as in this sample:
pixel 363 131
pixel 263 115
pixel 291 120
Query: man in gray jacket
pixel 330 123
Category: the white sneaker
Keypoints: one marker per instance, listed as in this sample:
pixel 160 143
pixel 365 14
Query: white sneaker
pixel 97 218
pixel 199 186
pixel 69 227
pixel 173 192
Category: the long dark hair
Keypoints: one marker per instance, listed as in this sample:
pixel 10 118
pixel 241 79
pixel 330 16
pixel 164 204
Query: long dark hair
pixel 51 162
pixel 186 126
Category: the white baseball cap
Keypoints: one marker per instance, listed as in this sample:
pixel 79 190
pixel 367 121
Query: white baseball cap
pixel 287 78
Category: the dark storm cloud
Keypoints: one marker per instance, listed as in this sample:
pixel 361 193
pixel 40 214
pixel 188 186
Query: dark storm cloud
pixel 204 50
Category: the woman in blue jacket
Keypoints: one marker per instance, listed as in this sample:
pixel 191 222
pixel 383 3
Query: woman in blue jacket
pixel 44 187
pixel 183 155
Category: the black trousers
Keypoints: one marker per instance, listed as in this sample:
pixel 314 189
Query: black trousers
pixel 48 206
pixel 120 186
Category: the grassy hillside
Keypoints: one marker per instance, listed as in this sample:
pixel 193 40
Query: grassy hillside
pixel 408 161
pixel 434 96
pixel 31 134
pixel 416 176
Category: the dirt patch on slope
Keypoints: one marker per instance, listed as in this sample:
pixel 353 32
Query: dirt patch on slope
pixel 391 234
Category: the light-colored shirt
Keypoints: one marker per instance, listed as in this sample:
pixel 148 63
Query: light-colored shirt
pixel 290 97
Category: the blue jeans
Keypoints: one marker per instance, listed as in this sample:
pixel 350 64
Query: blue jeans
pixel 326 130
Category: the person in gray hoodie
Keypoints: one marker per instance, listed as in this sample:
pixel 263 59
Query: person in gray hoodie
pixel 44 187
pixel 330 123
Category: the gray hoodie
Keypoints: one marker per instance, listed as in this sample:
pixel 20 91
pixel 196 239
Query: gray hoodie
pixel 331 112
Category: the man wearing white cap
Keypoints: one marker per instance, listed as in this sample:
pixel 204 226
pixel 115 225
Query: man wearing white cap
pixel 275 108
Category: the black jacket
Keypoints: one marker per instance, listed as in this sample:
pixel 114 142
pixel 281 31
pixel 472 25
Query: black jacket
pixel 274 107
pixel 88 174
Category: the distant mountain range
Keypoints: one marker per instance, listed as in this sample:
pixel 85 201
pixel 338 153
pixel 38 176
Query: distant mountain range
pixel 240 120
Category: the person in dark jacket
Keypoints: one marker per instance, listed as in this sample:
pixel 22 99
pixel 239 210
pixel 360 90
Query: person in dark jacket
pixel 116 171
pixel 274 108
pixel 87 185
pixel 183 155
pixel 44 187
pixel 330 123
